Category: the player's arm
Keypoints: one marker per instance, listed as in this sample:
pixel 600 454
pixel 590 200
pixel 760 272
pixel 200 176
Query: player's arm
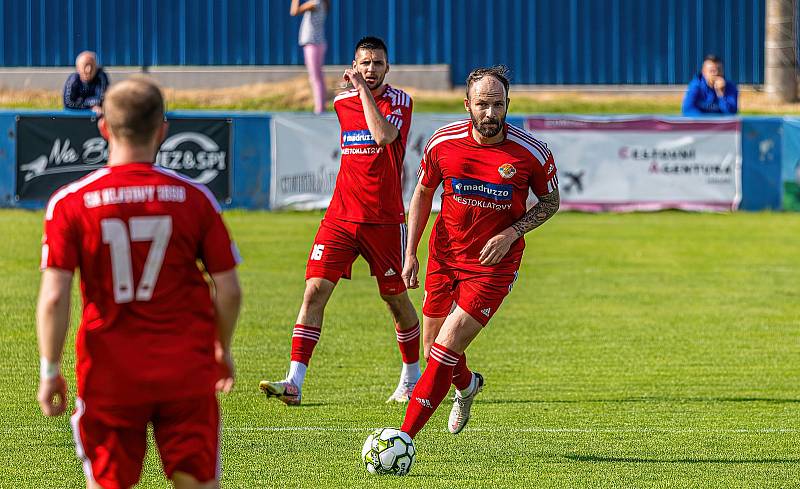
pixel 418 213
pixel 52 322
pixel 383 131
pixel 497 247
pixel 227 303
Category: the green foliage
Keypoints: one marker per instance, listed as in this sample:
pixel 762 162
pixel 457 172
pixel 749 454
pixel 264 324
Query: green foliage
pixel 638 350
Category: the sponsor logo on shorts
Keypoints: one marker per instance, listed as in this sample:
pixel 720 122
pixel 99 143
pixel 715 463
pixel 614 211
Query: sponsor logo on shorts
pixel 357 138
pixel 499 192
pixel 507 170
pixel 390 273
pixel 486 312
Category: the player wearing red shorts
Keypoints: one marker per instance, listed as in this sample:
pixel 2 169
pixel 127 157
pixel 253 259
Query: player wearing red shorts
pixel 487 168
pixel 154 342
pixel 366 217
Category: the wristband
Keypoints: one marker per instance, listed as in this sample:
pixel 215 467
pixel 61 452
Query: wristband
pixel 48 370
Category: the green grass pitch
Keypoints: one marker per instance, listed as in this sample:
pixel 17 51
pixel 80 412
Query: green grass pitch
pixel 640 350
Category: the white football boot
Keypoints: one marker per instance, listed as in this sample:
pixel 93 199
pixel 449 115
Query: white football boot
pixel 459 415
pixel 403 392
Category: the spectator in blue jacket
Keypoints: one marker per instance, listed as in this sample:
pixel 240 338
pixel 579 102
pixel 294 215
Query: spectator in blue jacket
pixel 709 93
pixel 86 87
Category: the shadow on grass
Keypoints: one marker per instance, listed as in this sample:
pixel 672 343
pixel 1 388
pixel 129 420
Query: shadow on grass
pixel 636 460
pixel 642 400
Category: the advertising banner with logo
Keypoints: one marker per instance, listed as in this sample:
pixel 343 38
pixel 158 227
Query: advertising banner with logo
pixel 624 164
pixel 53 151
pixel 306 152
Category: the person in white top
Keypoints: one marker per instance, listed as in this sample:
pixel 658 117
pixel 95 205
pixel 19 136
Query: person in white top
pixel 312 39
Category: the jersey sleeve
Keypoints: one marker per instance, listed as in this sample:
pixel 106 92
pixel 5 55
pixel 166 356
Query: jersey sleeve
pixel 400 115
pixel 60 241
pixel 218 251
pixel 429 174
pixel 544 177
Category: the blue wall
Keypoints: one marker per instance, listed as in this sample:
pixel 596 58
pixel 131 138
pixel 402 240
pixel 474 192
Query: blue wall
pixel 543 41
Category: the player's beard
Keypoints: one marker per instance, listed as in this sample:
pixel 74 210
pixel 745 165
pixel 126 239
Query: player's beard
pixel 488 127
pixel 377 83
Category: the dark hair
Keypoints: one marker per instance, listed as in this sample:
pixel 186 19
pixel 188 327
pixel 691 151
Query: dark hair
pixel 500 72
pixel 714 58
pixel 371 43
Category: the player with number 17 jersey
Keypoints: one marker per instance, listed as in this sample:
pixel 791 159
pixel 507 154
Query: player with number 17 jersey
pixel 136 232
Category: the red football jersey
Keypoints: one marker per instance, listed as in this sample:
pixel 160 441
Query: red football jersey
pixel 485 190
pixel 136 232
pixel 369 184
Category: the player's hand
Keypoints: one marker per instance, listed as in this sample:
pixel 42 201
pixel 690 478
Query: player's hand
pixel 719 85
pixel 226 369
pixel 52 395
pixel 353 77
pixel 410 271
pixel 496 248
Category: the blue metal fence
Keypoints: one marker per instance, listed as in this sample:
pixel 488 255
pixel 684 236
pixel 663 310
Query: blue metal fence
pixel 543 41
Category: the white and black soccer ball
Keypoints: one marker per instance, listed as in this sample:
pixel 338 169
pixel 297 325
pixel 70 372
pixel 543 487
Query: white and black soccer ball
pixel 388 451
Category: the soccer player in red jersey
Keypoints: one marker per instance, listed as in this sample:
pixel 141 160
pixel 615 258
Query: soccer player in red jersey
pixel 366 217
pixel 154 341
pixel 487 168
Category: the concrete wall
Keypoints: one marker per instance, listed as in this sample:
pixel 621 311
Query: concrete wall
pixel 429 77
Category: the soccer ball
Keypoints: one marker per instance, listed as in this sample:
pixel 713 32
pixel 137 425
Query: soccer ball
pixel 388 451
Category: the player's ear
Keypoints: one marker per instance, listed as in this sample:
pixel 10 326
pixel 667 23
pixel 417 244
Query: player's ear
pixel 466 104
pixel 102 126
pixel 162 132
pixel 387 68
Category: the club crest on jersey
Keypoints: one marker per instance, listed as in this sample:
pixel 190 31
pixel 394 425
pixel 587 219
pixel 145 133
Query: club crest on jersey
pixel 507 170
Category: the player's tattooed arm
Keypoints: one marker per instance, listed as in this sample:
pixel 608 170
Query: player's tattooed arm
pixel 496 248
pixel 538 214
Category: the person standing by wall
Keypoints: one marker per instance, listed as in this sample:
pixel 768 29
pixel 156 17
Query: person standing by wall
pixel 312 39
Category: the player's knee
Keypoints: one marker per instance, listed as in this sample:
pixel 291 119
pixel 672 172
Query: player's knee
pixel 316 295
pixel 397 303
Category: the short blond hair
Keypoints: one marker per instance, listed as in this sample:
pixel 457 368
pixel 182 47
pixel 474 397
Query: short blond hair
pixel 134 109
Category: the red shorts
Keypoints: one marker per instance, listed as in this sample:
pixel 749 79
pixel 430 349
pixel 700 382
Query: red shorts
pixel 479 294
pixel 111 440
pixel 338 243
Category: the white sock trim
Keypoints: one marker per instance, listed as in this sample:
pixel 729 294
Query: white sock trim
pixel 410 372
pixel 473 383
pixel 297 373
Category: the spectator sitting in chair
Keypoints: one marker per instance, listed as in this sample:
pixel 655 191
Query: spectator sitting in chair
pixel 86 87
pixel 709 93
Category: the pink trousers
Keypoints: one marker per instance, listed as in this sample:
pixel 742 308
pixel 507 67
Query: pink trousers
pixel 315 56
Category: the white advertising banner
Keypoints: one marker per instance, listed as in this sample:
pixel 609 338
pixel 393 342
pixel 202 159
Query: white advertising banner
pixel 306 152
pixel 623 164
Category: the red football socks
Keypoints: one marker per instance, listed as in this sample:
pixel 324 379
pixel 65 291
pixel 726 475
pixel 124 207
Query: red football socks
pixel 462 375
pixel 408 341
pixel 304 339
pixel 430 390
